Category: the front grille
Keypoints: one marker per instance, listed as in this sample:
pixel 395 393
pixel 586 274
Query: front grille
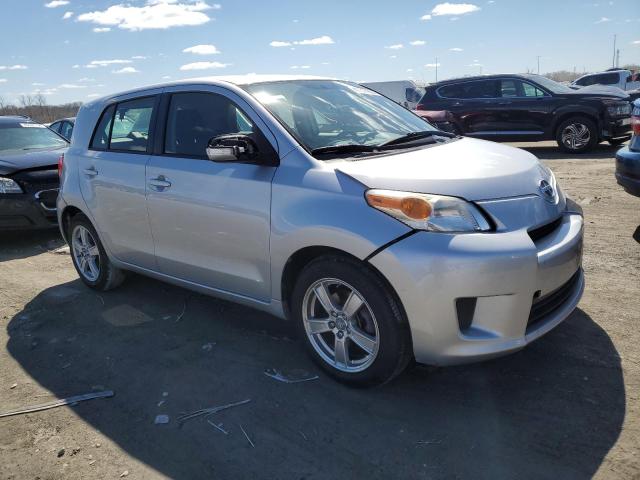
pixel 539 233
pixel 544 306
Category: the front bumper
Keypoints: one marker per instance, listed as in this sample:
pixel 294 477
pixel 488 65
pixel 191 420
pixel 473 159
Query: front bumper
pixel 615 128
pixel 513 289
pixel 28 211
pixel 628 170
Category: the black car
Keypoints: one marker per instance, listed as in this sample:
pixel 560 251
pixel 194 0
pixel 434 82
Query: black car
pixel 532 108
pixel 628 158
pixel 64 127
pixel 29 182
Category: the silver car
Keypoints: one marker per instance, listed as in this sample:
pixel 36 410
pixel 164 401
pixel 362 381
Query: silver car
pixel 383 239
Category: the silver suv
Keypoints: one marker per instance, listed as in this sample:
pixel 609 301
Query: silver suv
pixel 382 239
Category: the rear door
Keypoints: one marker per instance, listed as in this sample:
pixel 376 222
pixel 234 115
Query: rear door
pixel 211 221
pixel 113 181
pixel 475 105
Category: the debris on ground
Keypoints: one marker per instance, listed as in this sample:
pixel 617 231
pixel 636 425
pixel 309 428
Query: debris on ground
pixel 124 474
pixel 218 426
pixel 247 436
pixel 59 403
pixel 60 452
pixel 428 442
pixel 64 250
pixel 207 347
pixel 161 419
pixel 207 411
pixel 297 376
pixel 13 386
pixel 184 309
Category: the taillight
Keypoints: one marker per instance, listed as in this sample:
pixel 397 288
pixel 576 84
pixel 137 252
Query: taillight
pixel 60 165
pixel 635 125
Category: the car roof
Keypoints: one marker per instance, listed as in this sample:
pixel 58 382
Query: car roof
pixel 524 76
pixel 238 80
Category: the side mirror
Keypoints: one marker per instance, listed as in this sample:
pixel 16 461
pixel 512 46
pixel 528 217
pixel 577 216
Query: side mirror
pixel 232 148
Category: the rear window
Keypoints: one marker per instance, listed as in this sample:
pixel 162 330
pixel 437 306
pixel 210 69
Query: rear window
pixel 24 136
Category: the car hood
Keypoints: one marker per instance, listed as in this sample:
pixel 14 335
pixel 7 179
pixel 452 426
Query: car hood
pixel 599 91
pixel 468 168
pixel 12 162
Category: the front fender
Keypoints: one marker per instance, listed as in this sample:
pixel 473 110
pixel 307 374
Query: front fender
pixel 322 207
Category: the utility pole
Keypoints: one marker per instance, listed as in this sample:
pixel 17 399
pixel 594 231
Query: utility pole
pixel 538 64
pixel 618 58
pixel 613 64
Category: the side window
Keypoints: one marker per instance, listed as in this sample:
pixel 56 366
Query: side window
pixel 529 90
pixel 55 127
pixel 66 130
pixel 482 89
pixel 609 78
pixel 195 118
pixel 131 123
pixel 101 133
pixel 584 81
pixel 508 88
pixel 451 91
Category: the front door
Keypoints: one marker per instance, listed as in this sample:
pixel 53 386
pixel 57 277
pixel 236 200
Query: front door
pixel 113 182
pixel 523 110
pixel 211 221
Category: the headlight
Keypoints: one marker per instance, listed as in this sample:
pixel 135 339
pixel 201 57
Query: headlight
pixel 422 211
pixel 619 110
pixel 9 186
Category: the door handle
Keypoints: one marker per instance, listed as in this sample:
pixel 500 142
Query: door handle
pixel 91 172
pixel 159 183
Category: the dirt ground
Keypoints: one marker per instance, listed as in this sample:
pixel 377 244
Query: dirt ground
pixel 565 407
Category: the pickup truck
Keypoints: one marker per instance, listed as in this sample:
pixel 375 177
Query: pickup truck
pixel 622 79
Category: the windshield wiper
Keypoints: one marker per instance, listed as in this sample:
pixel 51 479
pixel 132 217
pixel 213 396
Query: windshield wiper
pixel 411 136
pixel 347 148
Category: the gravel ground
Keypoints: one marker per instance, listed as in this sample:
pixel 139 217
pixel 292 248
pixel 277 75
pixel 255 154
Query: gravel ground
pixel 565 407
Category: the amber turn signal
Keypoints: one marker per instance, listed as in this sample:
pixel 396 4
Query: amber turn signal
pixel 412 207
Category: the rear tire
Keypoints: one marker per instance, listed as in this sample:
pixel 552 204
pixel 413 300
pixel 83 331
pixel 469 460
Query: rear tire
pixel 89 257
pixel 577 135
pixel 351 323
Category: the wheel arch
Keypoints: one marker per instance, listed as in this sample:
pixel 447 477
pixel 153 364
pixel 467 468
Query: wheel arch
pixel 68 213
pixel 301 258
pixel 561 116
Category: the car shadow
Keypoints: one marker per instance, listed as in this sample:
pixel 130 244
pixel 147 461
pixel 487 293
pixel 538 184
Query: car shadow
pixel 552 410
pixel 636 234
pixel 23 244
pixel 552 152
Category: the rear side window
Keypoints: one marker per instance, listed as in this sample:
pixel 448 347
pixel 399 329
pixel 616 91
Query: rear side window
pixel 195 118
pixel 130 131
pixel 479 89
pixel 101 134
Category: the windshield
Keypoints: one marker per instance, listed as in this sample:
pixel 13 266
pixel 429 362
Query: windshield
pixel 326 113
pixel 551 85
pixel 28 136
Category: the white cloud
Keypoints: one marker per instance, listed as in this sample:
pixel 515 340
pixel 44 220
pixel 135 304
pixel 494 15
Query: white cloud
pixel 13 67
pixel 67 15
pixel 87 79
pixel 76 66
pixel 56 3
pixel 303 67
pixel 396 46
pixel 603 20
pixel 475 64
pixel 71 86
pixel 323 40
pixel 101 29
pixel 37 84
pixel 166 77
pixel 491 1
pixel 453 9
pixel 3 80
pixel 139 57
pixel 635 42
pixel 202 50
pixel 455 49
pixel 156 14
pixel 409 70
pixel 94 95
pixel 203 66
pixel 417 43
pixel 432 65
pixel 426 17
pixel 105 63
pixel 126 70
pixel 393 56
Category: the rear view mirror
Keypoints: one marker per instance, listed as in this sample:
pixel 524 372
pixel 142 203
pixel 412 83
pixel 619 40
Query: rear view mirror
pixel 232 148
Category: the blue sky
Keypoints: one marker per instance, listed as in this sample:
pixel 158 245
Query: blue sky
pixel 74 50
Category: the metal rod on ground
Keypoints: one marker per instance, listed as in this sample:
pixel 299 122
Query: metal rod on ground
pixel 59 403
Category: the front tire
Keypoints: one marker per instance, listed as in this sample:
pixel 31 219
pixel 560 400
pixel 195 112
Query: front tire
pixel 352 325
pixel 89 257
pixel 577 135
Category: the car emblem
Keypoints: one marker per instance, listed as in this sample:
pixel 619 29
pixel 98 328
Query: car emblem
pixel 547 191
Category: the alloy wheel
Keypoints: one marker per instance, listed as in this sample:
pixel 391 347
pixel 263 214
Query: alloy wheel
pixel 340 325
pixel 85 253
pixel 575 136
